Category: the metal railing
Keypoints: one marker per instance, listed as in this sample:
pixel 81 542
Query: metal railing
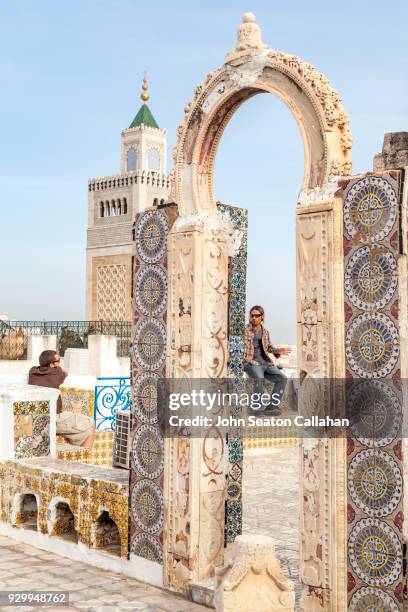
pixel 111 394
pixel 70 334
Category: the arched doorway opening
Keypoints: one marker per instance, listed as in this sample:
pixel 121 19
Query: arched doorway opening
pixel 198 235
pixel 105 534
pixel 259 167
pixel 26 511
pixel 63 525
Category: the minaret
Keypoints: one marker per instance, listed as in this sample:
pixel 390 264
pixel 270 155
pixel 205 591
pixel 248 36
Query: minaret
pixel 143 142
pixel 113 202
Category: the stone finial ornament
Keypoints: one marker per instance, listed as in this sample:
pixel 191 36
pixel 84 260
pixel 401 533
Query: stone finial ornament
pixel 144 96
pixel 249 34
pixel 253 581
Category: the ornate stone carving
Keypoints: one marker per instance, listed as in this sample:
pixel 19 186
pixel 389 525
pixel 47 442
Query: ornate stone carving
pixel 194 489
pixel 249 34
pixel 253 581
pixel 317 107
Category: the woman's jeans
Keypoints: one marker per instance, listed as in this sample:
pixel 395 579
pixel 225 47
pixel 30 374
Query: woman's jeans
pixel 264 370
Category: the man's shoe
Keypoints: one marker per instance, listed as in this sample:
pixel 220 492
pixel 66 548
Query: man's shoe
pixel 272 412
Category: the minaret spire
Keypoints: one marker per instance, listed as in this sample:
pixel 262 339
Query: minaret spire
pixel 144 96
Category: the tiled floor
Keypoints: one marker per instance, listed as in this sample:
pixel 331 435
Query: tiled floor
pixel 271 502
pixel 24 568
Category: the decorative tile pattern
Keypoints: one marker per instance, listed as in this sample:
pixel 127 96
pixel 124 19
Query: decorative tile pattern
pixel 372 346
pixel 236 323
pixel 375 482
pixel 375 552
pixel 99 454
pixel 86 488
pixel 152 229
pixel 151 290
pixel 378 412
pixel 371 277
pixel 31 429
pixel 369 598
pixel 79 401
pixel 148 358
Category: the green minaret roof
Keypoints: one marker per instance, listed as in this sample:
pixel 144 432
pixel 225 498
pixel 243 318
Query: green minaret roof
pixel 144 116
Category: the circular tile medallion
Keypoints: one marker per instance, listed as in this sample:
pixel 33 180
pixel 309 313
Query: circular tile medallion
pixel 375 552
pixel 151 290
pixel 375 413
pixel 375 482
pixel 148 452
pixel 372 345
pixel 146 546
pixel 370 209
pixel 145 397
pixel 150 344
pixel 371 277
pixel 151 236
pixel 369 599
pixel 147 506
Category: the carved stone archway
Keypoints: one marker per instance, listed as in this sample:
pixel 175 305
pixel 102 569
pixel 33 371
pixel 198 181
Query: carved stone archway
pixel 198 280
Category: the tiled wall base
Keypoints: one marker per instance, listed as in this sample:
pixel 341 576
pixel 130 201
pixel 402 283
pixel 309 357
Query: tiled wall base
pixel 88 490
pixel 99 454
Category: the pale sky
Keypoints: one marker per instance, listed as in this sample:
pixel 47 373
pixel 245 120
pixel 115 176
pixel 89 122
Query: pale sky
pixel 71 72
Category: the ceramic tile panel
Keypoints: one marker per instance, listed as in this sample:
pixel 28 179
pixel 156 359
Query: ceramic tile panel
pixel 237 267
pixel 31 429
pixel 148 357
pixel 79 401
pixel 371 212
pixel 99 454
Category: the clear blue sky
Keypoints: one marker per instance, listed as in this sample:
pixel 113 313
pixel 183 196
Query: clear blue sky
pixel 71 74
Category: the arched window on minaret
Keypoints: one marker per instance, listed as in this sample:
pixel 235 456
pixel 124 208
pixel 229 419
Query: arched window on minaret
pixel 118 207
pixel 102 209
pixel 124 206
pixel 107 209
pixel 131 163
pixel 155 202
pixel 154 160
pixel 113 209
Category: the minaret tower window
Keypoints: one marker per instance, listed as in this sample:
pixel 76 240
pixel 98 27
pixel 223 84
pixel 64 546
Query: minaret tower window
pixel 154 160
pixel 131 160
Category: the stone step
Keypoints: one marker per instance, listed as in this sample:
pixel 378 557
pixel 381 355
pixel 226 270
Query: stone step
pixel 203 592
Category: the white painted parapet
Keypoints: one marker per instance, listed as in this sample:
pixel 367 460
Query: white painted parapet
pixel 76 361
pixel 37 344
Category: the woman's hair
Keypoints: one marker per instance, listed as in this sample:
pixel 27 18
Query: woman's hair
pixel 259 308
pixel 47 357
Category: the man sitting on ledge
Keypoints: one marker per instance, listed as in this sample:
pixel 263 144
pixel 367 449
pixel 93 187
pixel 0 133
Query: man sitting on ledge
pixel 259 357
pixel 78 429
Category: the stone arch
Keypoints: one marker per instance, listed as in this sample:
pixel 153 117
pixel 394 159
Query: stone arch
pixel 248 71
pixel 105 534
pixel 198 276
pixel 25 509
pixel 62 522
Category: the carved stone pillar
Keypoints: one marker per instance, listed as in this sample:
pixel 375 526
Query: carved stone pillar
pixel 195 474
pixel 320 348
